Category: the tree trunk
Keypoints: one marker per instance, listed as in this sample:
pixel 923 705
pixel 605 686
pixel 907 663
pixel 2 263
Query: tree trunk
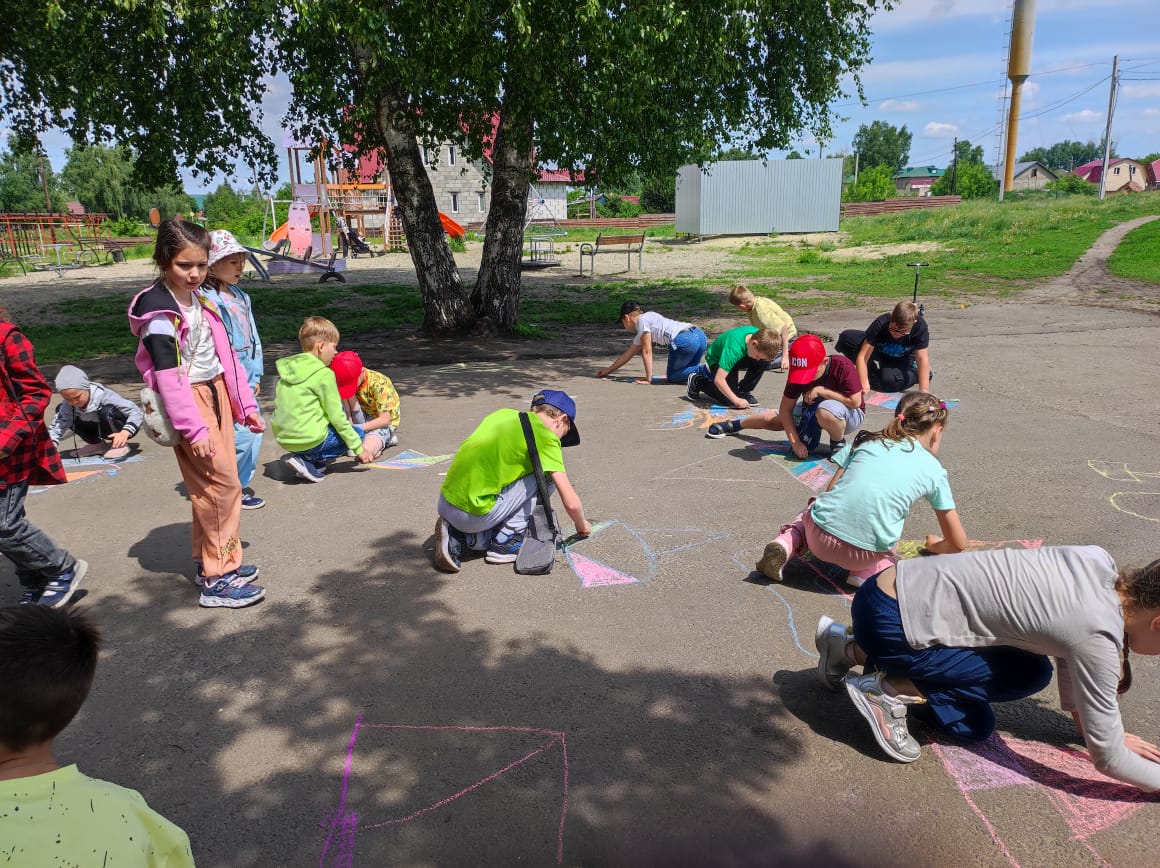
pixel 497 289
pixel 445 308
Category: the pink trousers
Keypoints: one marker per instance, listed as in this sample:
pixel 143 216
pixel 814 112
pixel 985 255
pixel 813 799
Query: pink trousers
pixel 802 533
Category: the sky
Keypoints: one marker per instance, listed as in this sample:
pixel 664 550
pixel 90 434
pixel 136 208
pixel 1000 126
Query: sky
pixel 939 67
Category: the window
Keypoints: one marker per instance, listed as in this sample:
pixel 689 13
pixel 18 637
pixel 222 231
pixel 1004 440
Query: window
pixel 451 155
pixel 1116 171
pixel 482 202
pixel 1034 173
pixel 426 155
pixel 454 203
pixel 1131 170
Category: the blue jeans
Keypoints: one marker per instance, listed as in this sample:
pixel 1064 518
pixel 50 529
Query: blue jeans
pixel 685 354
pixel 246 447
pixel 959 683
pixel 37 558
pixel 330 448
pixel 507 517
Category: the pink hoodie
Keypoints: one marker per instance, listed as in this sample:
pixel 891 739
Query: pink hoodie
pixel 159 360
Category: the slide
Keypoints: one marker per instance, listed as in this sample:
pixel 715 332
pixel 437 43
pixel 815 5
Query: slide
pixel 451 227
pixel 278 234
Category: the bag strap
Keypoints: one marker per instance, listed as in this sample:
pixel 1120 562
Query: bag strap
pixel 537 468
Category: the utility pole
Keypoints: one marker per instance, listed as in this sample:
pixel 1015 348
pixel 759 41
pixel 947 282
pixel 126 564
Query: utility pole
pixel 856 155
pixel 954 179
pixel 1108 126
pixel 43 178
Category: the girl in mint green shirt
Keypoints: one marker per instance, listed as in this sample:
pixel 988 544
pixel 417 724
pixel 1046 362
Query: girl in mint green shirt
pixel 857 521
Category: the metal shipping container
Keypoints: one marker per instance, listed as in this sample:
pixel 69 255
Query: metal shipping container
pixel 752 197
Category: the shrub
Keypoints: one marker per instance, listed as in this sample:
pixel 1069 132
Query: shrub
pixel 1071 183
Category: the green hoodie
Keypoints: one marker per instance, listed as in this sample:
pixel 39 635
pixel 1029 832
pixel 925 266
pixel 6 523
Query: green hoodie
pixel 306 403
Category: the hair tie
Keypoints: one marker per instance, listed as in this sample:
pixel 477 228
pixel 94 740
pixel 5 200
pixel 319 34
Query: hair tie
pixel 942 404
pixel 900 416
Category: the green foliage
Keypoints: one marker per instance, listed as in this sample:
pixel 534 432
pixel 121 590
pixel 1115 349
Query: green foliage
pixel 658 194
pixel 1066 155
pixel 1138 256
pixel 1073 184
pixel 123 227
pixel 1151 158
pixel 21 186
pixel 969 180
pixel 794 155
pixel 614 206
pixel 883 144
pixel 103 179
pixel 241 214
pixel 968 154
pixel 457 243
pixel 874 183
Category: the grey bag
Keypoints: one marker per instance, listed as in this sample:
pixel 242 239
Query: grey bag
pixel 537 555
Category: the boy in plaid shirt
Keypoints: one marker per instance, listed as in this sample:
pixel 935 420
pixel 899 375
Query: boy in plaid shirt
pixel 49 574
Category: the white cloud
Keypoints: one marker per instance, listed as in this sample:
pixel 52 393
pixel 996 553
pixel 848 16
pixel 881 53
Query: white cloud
pixel 918 12
pixel 936 130
pixel 1151 113
pixel 899 105
pixel 1087 116
pixel 1140 91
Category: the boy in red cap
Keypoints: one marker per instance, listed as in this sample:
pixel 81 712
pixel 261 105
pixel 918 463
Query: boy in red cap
pixel 490 491
pixel 370 400
pixel 827 385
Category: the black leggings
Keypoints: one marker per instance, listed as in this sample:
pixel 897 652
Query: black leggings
pixel 886 374
pixel 742 379
pixel 109 421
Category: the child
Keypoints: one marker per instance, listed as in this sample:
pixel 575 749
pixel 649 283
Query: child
pixel 309 421
pixel 227 260
pixel 948 636
pixel 765 313
pixel 184 355
pixel 96 414
pixel 856 522
pixel 490 490
pixel 685 341
pixel 733 367
pixel 370 400
pixel 891 355
pixel 48 574
pixel 828 388
pixel 54 815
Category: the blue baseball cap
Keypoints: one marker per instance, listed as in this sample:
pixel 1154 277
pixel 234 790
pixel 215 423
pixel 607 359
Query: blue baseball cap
pixel 564 403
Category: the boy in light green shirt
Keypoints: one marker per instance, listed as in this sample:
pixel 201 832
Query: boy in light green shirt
pixel 51 815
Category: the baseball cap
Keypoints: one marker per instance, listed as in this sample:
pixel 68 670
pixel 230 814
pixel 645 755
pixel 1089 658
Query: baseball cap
pixel 347 367
pixel 564 403
pixel 222 244
pixel 805 355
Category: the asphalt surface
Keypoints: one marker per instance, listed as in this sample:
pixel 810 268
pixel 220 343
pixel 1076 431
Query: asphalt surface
pixel 675 720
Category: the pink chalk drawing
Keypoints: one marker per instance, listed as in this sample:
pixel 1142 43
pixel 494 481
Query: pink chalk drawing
pixel 814 473
pixel 76 469
pixel 889 400
pixel 341 824
pixel 594 574
pixel 702 417
pixel 409 459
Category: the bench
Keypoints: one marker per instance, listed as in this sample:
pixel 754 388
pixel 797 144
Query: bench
pixel 628 244
pixel 115 248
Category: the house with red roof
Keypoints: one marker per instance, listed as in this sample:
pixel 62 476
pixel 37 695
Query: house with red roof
pixel 1124 174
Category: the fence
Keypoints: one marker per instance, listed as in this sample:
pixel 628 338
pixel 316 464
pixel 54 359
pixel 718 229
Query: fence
pixel 886 206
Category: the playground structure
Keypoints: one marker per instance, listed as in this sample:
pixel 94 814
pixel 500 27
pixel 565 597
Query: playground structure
pixel 44 240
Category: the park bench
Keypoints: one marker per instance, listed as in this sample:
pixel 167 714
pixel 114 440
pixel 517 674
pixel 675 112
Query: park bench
pixel 115 248
pixel 628 244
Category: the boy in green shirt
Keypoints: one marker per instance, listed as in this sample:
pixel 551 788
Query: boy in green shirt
pixel 490 490
pixel 308 420
pixel 54 815
pixel 733 366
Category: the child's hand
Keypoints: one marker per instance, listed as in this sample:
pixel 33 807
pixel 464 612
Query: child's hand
pixel 799 449
pixel 584 530
pixel 119 439
pixel 365 457
pixel 641 381
pixel 203 448
pixel 255 423
pixel 257 389
pixel 602 373
pixel 1145 749
pixel 741 404
pixel 931 541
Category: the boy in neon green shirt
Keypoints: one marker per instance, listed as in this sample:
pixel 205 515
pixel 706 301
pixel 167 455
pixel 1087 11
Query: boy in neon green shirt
pixel 51 815
pixel 490 490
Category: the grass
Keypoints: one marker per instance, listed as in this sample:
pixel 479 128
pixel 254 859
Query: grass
pixel 1138 256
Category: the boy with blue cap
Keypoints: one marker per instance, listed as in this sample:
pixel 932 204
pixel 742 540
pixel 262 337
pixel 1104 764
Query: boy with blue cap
pixel 490 490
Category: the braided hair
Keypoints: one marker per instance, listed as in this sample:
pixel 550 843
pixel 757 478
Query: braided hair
pixel 1139 589
pixel 917 413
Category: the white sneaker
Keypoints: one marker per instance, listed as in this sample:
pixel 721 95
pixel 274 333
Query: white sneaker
pixel 831 639
pixel 774 559
pixel 885 714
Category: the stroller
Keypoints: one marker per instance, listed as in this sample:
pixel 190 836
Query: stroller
pixel 350 239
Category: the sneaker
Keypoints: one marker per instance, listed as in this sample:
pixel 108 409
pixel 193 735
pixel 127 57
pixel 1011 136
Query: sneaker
pixel 752 399
pixel 60 590
pixel 115 453
pixel 505 552
pixel 831 639
pixel 774 559
pixel 305 468
pixel 885 714
pixel 222 594
pixel 243 575
pixel 836 446
pixel 394 440
pixel 691 389
pixel 252 501
pixel 448 547
pixel 719 429
pixel 30 596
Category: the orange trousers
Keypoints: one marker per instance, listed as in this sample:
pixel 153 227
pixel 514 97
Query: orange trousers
pixel 213 485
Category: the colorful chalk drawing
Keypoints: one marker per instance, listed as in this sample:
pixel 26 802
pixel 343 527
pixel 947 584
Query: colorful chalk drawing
pixel 889 400
pixel 77 469
pixel 814 473
pixel 596 574
pixel 409 459
pixel 342 824
pixel 1144 505
pixel 702 417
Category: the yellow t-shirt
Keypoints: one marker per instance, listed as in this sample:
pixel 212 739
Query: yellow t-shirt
pixel 768 314
pixel 66 818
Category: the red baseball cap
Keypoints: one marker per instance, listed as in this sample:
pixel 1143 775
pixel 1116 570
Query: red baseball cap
pixel 806 354
pixel 347 367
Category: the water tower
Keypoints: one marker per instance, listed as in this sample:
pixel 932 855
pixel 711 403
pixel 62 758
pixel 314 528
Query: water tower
pixel 1018 70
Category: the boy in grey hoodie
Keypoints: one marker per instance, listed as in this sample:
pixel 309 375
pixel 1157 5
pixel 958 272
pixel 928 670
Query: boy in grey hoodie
pixel 95 413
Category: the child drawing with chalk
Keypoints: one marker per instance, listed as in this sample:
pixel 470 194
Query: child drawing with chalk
pixel 856 523
pixel 686 344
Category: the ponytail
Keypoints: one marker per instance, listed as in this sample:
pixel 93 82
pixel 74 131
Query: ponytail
pixel 1138 589
pixel 917 413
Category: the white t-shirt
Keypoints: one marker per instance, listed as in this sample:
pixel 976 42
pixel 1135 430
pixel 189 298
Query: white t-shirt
pixel 660 329
pixel 198 348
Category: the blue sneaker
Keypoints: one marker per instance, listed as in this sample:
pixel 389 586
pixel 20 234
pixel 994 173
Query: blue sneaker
pixel 449 544
pixel 222 594
pixel 252 501
pixel 30 596
pixel 243 575
pixel 305 468
pixel 504 552
pixel 60 590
